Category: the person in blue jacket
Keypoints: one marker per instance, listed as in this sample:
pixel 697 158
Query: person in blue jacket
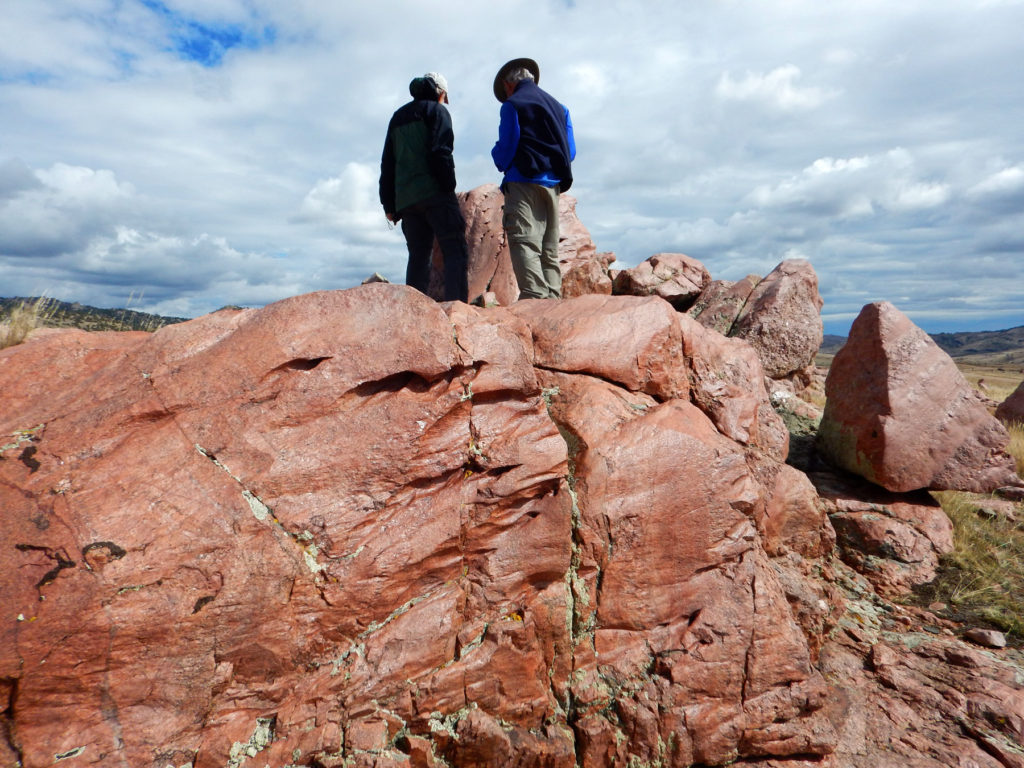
pixel 417 186
pixel 535 150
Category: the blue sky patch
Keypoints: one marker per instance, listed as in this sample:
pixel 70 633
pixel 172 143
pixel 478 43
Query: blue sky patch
pixel 206 44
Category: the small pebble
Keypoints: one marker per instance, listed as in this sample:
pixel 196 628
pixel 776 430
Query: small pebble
pixel 989 638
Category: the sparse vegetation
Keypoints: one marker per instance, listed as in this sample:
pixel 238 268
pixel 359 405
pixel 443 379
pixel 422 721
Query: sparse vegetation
pixel 20 319
pixel 982 580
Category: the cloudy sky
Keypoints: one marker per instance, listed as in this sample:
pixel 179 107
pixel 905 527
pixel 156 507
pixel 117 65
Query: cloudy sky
pixel 176 156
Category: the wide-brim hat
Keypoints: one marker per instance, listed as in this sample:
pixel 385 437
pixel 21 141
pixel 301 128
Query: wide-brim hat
pixel 528 64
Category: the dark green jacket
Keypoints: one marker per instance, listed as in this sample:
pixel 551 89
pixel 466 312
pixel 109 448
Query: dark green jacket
pixel 417 162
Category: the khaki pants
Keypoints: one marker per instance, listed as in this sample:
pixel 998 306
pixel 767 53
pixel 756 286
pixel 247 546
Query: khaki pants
pixel 531 220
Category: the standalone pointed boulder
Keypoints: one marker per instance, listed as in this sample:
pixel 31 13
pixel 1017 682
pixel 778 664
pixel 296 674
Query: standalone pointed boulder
pixel 900 414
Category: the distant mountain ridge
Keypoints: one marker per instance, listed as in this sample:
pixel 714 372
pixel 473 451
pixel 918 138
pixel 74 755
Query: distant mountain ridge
pixel 982 347
pixel 61 314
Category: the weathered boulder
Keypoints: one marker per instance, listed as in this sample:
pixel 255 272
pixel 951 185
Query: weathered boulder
pixel 490 267
pixel 781 319
pixel 583 276
pixel 793 519
pixel 574 242
pixel 632 341
pixel 675 277
pixel 899 413
pixel 1011 410
pixel 721 301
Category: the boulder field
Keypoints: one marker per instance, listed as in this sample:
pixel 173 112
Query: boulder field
pixel 361 528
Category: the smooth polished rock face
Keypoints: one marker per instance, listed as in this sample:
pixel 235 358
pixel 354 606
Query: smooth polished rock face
pixel 342 528
pixel 900 414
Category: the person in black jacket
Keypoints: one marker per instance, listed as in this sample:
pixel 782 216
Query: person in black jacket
pixel 417 186
pixel 534 151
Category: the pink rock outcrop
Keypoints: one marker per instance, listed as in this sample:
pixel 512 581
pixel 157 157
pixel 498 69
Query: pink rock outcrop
pixel 341 530
pixel 896 688
pixel 287 529
pixel 675 277
pixel 490 268
pixel 725 607
pixel 895 540
pixel 1011 410
pixel 632 341
pixel 728 385
pixel 361 528
pixel 900 414
pixel 583 276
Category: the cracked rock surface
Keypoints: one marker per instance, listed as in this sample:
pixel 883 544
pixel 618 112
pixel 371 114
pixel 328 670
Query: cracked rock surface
pixel 360 528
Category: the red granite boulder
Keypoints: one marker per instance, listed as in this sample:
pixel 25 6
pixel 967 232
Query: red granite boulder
pixel 583 276
pixel 275 530
pixel 339 530
pixel 361 528
pixel 675 277
pixel 900 414
pixel 782 319
pixel 694 612
pixel 489 266
pixel 894 539
pixel 1011 410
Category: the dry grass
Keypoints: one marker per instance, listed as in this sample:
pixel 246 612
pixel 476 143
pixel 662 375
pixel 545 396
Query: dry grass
pixel 22 320
pixel 982 580
pixel 996 383
pixel 1017 445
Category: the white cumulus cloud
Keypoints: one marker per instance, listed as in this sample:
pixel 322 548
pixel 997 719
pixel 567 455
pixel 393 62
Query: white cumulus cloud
pixel 778 88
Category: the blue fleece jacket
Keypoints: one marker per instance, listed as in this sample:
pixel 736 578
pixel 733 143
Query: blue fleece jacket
pixel 511 143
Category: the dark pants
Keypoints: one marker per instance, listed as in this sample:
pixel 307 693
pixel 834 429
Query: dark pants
pixel 438 217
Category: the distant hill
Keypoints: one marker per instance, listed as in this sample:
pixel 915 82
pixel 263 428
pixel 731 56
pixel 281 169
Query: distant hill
pixel 976 347
pixel 60 314
pixel 831 344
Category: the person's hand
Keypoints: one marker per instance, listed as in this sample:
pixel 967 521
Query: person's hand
pixel 391 217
